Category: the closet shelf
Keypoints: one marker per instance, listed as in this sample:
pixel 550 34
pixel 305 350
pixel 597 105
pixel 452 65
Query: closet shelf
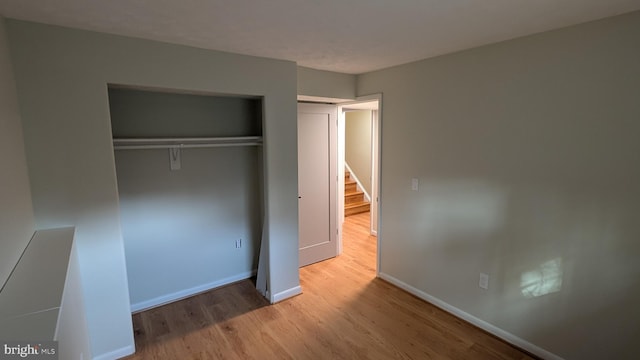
pixel 188 142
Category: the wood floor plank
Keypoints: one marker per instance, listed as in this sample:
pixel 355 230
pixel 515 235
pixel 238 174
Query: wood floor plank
pixel 345 312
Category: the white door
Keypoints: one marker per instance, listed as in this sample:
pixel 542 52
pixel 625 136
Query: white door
pixel 317 177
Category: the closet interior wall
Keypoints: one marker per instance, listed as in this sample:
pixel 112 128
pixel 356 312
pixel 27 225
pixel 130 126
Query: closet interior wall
pixel 199 227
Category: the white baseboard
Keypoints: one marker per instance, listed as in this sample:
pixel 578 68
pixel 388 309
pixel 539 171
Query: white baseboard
pixel 504 335
pixel 182 294
pixel 116 354
pixel 283 295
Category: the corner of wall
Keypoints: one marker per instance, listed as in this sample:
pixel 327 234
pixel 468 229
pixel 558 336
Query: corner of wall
pixel 16 209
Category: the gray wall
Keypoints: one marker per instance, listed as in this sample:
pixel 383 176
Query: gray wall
pixel 358 145
pixel 16 213
pixel 180 227
pixel 527 155
pixel 62 78
pixel 322 83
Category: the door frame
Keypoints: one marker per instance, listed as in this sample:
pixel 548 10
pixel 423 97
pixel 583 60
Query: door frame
pixel 376 143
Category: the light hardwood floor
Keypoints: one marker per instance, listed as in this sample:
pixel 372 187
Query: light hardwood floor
pixel 343 313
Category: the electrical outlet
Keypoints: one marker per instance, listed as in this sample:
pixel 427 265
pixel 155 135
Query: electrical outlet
pixel 484 281
pixel 238 243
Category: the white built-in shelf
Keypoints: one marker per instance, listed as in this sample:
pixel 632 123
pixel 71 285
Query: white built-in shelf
pixel 186 142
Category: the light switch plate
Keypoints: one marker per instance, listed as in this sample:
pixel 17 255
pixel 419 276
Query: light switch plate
pixel 414 184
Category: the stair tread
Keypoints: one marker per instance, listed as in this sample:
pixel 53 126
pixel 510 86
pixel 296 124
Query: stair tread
pixel 353 193
pixel 356 208
pixel 361 203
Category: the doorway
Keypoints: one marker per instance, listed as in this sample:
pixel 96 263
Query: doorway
pixel 367 173
pixel 372 103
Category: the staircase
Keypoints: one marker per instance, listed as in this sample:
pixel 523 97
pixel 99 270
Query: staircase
pixel 354 201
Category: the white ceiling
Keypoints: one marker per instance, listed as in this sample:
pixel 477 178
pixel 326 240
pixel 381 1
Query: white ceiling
pixel 349 36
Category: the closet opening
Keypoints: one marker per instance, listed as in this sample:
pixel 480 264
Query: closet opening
pixel 190 179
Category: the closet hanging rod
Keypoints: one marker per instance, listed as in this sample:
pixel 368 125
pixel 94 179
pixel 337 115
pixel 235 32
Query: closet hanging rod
pixel 185 140
pixel 180 146
pixel 199 142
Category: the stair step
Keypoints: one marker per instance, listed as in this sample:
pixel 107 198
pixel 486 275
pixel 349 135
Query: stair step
pixel 354 197
pixel 350 186
pixel 356 208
